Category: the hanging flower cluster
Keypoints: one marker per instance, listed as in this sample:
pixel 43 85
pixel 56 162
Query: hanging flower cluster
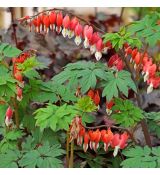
pixel 94 95
pixel 115 62
pixel 91 139
pixel 69 27
pixel 145 63
pixel 17 73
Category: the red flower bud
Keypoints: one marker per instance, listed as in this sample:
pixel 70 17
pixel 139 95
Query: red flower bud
pixel 73 23
pixel 78 30
pixel 52 17
pixel 91 93
pixel 66 22
pixel 9 112
pixel 59 19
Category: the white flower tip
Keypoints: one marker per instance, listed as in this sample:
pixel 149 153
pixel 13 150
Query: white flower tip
pixel 86 43
pixel 93 49
pixel 64 32
pixel 146 76
pixel 150 88
pixel 77 40
pixel 109 111
pixel 98 55
pixel 70 34
pixel 116 151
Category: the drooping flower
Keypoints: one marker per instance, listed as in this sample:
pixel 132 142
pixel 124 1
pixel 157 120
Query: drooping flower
pixel 94 95
pixel 115 62
pixel 99 47
pixel 19 93
pixel 59 21
pixel 52 19
pixel 86 141
pixel 153 82
pixel 149 70
pixel 93 41
pixel 106 137
pixel 87 33
pixel 66 26
pixel 91 93
pixel 94 137
pixel 8 117
pixel 46 23
pixel 109 106
pixel 119 142
pixel 78 32
pixel 80 136
pixel 73 25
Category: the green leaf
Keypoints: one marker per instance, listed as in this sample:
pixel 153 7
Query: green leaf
pixel 55 117
pixel 9 51
pixel 139 157
pixel 128 115
pixel 118 82
pixel 9 159
pixel 45 156
pixel 81 75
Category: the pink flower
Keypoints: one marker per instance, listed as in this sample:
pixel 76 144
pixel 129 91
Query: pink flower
pixel 99 47
pixel 8 118
pixel 93 41
pixel 149 70
pixel 66 26
pixel 78 32
pixel 153 82
pixel 119 142
pixel 116 62
pixel 87 33
pixel 19 93
pixel 73 24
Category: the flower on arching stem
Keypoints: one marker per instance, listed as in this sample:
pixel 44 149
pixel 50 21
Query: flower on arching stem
pixel 95 137
pixel 87 33
pixel 8 117
pixel 86 141
pixel 115 62
pixel 78 32
pixel 66 26
pixel 52 19
pixel 106 137
pixel 19 93
pixel 119 142
pixel 149 70
pixel 59 21
pixel 153 82
pixel 46 23
pixel 109 106
pixel 80 135
pixel 73 24
pixel 99 47
pixel 93 41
